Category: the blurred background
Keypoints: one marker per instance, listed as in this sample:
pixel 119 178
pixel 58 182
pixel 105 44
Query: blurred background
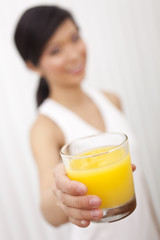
pixel 123 40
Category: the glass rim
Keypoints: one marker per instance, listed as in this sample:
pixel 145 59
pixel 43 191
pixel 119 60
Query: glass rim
pixel 91 136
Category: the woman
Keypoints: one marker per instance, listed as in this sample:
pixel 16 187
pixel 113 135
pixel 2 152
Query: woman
pixel 49 42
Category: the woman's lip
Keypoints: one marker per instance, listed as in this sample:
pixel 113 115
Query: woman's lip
pixel 77 69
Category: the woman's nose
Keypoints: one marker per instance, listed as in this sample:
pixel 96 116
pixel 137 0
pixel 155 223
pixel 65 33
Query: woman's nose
pixel 73 53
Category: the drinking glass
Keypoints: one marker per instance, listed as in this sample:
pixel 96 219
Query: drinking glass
pixel 102 162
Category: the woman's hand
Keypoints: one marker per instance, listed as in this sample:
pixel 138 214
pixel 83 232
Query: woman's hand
pixel 72 198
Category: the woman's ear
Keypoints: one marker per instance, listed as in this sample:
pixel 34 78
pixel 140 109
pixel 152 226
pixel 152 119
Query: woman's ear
pixel 32 67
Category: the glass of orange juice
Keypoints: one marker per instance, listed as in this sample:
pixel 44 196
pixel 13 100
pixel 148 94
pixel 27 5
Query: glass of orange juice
pixel 102 162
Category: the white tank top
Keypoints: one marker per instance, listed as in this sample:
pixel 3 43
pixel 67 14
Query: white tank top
pixel 140 224
pixel 73 126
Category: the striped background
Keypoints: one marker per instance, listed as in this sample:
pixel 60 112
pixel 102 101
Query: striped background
pixel 123 39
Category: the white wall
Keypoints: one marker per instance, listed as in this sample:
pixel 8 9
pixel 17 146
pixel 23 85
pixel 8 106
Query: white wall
pixel 123 39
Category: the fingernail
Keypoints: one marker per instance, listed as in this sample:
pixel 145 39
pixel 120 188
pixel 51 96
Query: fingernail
pixel 94 202
pixel 81 190
pixel 95 213
pixel 84 223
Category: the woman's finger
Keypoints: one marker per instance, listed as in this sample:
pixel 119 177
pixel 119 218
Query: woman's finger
pixel 133 167
pixel 81 214
pixel 79 223
pixel 82 202
pixel 64 184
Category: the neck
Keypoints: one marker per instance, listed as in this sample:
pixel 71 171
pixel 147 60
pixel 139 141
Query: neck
pixel 68 97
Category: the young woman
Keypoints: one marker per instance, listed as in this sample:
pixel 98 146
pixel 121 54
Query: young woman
pixel 49 41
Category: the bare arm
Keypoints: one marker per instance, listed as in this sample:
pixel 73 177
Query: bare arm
pixel 62 200
pixel 46 141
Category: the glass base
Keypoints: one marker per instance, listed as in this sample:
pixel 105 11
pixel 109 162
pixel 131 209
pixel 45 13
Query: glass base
pixel 118 213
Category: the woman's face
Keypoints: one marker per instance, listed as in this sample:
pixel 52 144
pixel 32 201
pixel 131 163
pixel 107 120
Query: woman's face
pixel 63 60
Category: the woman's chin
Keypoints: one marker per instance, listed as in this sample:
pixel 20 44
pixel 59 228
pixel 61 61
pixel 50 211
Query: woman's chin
pixel 78 78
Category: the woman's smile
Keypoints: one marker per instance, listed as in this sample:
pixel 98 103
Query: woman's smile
pixel 78 69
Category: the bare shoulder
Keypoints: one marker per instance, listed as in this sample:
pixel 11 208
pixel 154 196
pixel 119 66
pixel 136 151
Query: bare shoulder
pixel 114 99
pixel 46 139
pixel 45 129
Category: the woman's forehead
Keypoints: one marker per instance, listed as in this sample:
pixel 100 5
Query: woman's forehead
pixel 65 30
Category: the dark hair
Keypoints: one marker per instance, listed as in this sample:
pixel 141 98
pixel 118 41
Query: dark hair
pixel 33 30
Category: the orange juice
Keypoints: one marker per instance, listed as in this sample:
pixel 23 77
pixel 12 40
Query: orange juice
pixel 106 174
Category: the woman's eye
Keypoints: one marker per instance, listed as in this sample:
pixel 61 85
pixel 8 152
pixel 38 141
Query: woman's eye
pixel 75 37
pixel 55 51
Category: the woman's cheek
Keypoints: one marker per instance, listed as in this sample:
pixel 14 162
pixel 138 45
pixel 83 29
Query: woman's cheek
pixel 83 51
pixel 58 64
